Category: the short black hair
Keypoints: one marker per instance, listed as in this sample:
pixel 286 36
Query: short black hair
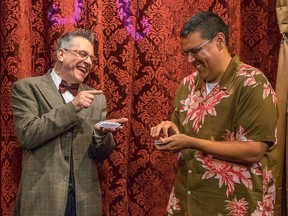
pixel 207 24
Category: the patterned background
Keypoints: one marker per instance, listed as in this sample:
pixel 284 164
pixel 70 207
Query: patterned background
pixel 139 70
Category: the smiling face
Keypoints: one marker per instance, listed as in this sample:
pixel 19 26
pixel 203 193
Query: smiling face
pixel 74 62
pixel 207 59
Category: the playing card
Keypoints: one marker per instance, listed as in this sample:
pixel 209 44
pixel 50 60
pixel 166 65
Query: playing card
pixel 107 124
pixel 158 142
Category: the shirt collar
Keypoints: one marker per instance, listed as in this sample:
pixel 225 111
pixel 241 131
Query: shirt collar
pixel 228 76
pixel 230 73
pixel 56 79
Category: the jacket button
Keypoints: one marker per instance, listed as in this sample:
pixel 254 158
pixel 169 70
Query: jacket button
pixel 66 157
pixel 66 178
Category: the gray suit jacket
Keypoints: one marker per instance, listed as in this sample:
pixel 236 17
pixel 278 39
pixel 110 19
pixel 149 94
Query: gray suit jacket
pixel 47 128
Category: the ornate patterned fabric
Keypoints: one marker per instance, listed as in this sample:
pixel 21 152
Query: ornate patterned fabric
pixel 140 67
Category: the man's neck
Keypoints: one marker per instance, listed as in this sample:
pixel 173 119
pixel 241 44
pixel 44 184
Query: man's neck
pixel 223 65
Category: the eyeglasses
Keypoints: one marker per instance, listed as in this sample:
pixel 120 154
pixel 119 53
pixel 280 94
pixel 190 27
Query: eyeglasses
pixel 195 51
pixel 83 55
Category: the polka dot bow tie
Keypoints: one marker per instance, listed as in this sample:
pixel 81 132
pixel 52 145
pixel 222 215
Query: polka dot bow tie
pixel 73 88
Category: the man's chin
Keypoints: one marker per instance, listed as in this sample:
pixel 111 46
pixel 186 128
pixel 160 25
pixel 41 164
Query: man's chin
pixel 203 74
pixel 80 78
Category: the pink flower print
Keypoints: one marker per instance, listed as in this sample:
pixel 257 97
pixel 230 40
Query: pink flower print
pixel 192 106
pixel 250 82
pixel 242 175
pixel 197 107
pixel 247 70
pixel 276 137
pixel 240 133
pixel 190 80
pixel 197 116
pixel 255 168
pixel 173 203
pixel 230 136
pixel 267 90
pixel 227 173
pixel 266 206
pixel 267 177
pixel 270 197
pixel 191 102
pixel 236 207
pixel 274 97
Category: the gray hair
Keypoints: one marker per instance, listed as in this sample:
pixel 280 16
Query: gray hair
pixel 64 41
pixel 207 24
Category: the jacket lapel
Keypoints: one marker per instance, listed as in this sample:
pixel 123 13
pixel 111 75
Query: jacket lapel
pixel 53 96
pixel 50 91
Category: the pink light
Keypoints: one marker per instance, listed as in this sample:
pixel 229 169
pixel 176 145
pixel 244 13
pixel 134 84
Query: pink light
pixel 123 10
pixel 54 16
pixel 125 16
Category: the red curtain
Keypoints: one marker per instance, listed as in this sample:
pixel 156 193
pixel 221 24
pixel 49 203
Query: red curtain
pixel 139 70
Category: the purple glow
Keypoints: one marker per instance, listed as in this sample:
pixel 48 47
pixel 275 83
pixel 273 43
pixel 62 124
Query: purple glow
pixel 123 7
pixel 55 17
pixel 125 16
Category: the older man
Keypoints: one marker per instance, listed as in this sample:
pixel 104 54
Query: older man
pixel 55 116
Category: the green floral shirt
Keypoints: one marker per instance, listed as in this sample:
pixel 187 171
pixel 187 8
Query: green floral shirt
pixel 243 106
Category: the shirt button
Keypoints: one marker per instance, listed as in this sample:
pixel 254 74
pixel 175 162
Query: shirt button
pixel 66 157
pixel 66 178
pixel 189 192
pixel 68 134
pixel 190 171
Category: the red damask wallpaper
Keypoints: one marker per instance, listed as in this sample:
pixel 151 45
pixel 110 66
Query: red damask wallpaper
pixel 140 67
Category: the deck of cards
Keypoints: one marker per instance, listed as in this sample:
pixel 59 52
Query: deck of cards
pixel 158 142
pixel 107 124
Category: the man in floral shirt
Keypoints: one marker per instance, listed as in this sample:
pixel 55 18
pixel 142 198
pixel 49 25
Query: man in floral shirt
pixel 224 128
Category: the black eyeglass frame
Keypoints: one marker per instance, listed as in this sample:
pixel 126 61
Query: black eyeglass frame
pixel 194 51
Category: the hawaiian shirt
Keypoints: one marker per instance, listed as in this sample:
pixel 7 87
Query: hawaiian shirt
pixel 242 106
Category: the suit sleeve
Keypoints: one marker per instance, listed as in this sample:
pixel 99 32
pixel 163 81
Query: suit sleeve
pixel 101 151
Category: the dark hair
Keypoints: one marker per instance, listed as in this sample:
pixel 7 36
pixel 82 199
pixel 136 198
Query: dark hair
pixel 64 41
pixel 207 24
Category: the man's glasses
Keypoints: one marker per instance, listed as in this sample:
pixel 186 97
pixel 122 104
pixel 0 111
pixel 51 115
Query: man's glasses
pixel 195 51
pixel 83 55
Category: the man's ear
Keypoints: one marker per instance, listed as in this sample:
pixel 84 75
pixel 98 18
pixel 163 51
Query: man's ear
pixel 220 40
pixel 60 55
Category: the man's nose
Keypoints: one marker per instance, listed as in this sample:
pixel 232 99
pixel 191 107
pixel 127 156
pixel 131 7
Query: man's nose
pixel 89 60
pixel 191 58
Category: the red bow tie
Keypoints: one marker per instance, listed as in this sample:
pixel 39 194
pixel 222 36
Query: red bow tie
pixel 73 88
